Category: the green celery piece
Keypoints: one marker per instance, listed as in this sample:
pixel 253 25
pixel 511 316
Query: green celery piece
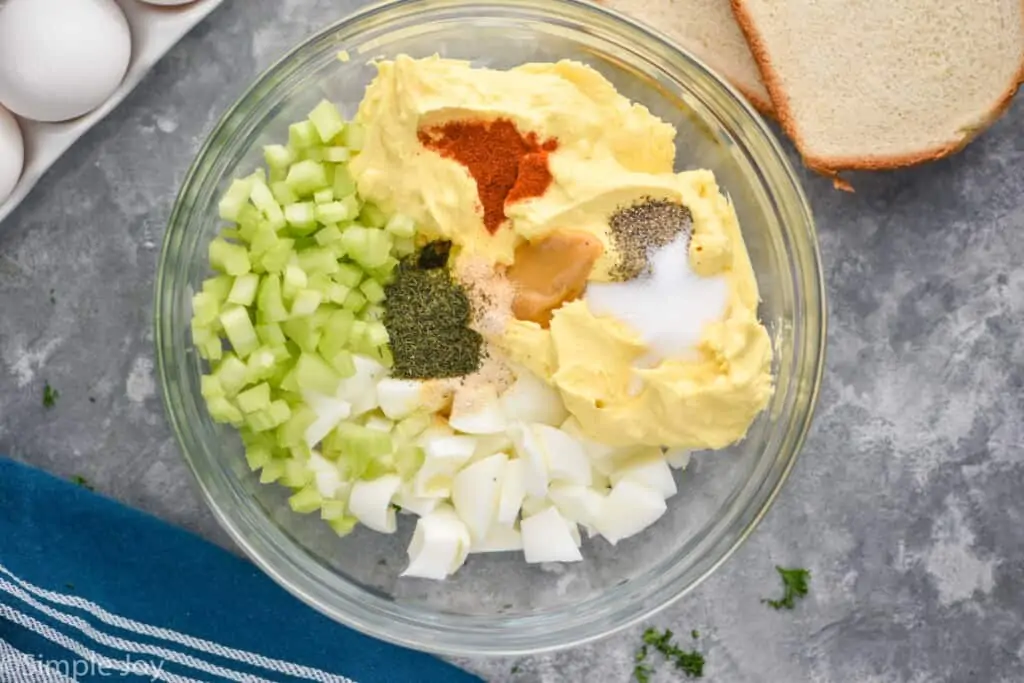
pixel 327 120
pixel 230 372
pixel 231 234
pixel 205 309
pixel 403 246
pixel 408 461
pixel 210 387
pixel 333 509
pixel 236 197
pixel 239 330
pixel 384 273
pixel 412 426
pixel 284 195
pixel 254 399
pixel 264 238
pixel 302 135
pixel 221 410
pixel 337 155
pixel 336 333
pixel 324 196
pixel 344 183
pixel 376 334
pixel 279 412
pixel 312 372
pixel 277 257
pixel 363 442
pixel 292 432
pixel 401 225
pixel 306 302
pixel 258 456
pixel 330 233
pixel 278 157
pixel 306 500
pixel 348 274
pixel 368 247
pixel 243 292
pixel 281 352
pixel 314 154
pixel 337 293
pixel 264 200
pixel 354 136
pixel 355 301
pixel 260 365
pixel 373 313
pixel 303 332
pixel 343 363
pixel 384 356
pixel 211 349
pixel 301 215
pixel 296 473
pixel 306 177
pixel 229 258
pixel 335 212
pixel 344 525
pixel 218 287
pixel 269 301
pixel 317 260
pixel 270 334
pixel 295 281
pixel 272 471
pixel 320 283
pixel 372 217
pixel 372 290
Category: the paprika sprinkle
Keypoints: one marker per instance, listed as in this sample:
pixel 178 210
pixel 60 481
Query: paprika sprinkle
pixel 506 165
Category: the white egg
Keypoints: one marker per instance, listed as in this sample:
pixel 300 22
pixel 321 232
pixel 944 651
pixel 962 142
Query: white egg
pixel 168 3
pixel 60 59
pixel 12 153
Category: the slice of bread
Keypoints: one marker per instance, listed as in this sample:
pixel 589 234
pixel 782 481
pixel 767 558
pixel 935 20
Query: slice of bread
pixel 876 84
pixel 707 29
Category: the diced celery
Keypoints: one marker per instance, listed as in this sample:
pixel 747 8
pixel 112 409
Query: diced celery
pixel 288 382
pixel 337 211
pixel 260 365
pixel 229 258
pixel 368 247
pixel 306 177
pixel 379 468
pixel 210 387
pixel 327 120
pixel 372 290
pixel 239 330
pixel 276 414
pixel 296 473
pixel 306 501
pixel 336 333
pixel 372 217
pixel 306 302
pixel 343 526
pixel 329 234
pixel 230 372
pixel 318 260
pixel 313 154
pixel 236 197
pixel 337 293
pixel 323 196
pixel 231 234
pixel 302 332
pixel 344 183
pixel 221 410
pixel 258 456
pixel 359 446
pixel 401 225
pixel 302 135
pixel 295 281
pixel 272 471
pixel 408 461
pixel 374 312
pixel 292 432
pixel 412 426
pixel 337 155
pixel 211 349
pixel 205 309
pixel 270 334
pixel 219 286
pixel 278 157
pixel 320 283
pixel 383 355
pixel 255 398
pixel 269 302
pixel 301 215
pixel 280 352
pixel 277 257
pixel 283 194
pixel 264 200
pixel 313 373
pixel 264 239
pixel 333 509
pixel 403 246
pixel 376 334
pixel 354 301
pixel 348 274
pixel 354 136
pixel 343 362
pixel 300 451
pixel 243 292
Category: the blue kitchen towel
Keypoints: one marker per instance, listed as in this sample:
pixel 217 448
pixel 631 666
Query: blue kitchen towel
pixel 91 591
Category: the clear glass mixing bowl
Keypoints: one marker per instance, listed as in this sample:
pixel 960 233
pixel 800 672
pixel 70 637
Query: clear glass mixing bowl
pixel 496 604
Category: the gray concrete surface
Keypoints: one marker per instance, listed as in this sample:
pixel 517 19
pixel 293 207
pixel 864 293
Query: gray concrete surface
pixel 907 504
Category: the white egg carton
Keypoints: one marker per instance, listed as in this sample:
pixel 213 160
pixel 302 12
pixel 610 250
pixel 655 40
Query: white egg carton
pixel 155 30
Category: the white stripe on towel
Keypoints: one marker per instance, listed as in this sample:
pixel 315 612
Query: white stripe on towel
pixel 133 647
pixel 206 646
pixel 85 653
pixel 22 667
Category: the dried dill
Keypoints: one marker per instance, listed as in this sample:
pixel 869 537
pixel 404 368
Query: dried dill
pixel 641 229
pixel 427 314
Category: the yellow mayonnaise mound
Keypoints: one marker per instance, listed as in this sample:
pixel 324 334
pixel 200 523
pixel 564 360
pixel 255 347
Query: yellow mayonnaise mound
pixel 611 153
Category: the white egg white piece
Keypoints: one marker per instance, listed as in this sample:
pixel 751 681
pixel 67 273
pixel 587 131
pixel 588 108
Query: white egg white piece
pixel 327 477
pixel 500 538
pixel 489 444
pixel 443 457
pixel 370 502
pixel 534 504
pixel 399 398
pixel 629 509
pixel 329 411
pixel 564 455
pixel 380 424
pixel 12 153
pixel 577 503
pixel 60 59
pixel 529 450
pixel 531 399
pixel 361 388
pixel 546 538
pixel 412 504
pixel 476 491
pixel 168 3
pixel 478 411
pixel 647 468
pixel 574 532
pixel 439 545
pixel 677 458
pixel 513 491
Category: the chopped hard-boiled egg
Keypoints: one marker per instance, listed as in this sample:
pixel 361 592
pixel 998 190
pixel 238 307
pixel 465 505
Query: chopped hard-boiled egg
pixel 677 458
pixel 329 413
pixel 577 503
pixel 564 455
pixel 499 539
pixel 547 538
pixel 476 491
pixel 629 509
pixel 513 490
pixel 647 468
pixel 410 503
pixel 361 388
pixel 530 399
pixel 439 545
pixel 327 477
pixel 443 457
pixel 529 450
pixel 399 398
pixel 478 411
pixel 370 502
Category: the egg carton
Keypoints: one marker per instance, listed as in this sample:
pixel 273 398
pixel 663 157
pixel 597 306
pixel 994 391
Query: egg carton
pixel 155 30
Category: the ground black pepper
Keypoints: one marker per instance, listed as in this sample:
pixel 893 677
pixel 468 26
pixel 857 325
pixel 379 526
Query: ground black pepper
pixel 641 229
pixel 427 315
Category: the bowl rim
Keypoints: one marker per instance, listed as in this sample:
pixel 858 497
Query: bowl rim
pixel 817 355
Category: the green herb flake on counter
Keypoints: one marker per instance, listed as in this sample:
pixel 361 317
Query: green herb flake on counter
pixel 795 585
pixel 50 396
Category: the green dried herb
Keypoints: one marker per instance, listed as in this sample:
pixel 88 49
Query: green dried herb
pixel 427 314
pixel 81 481
pixel 50 396
pixel 794 585
pixel 691 663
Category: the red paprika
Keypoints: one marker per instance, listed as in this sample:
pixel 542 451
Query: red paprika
pixel 506 165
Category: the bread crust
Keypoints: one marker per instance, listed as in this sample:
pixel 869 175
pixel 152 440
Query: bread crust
pixel 831 166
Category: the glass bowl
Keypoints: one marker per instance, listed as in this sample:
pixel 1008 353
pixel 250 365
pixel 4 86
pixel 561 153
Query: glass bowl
pixel 497 604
